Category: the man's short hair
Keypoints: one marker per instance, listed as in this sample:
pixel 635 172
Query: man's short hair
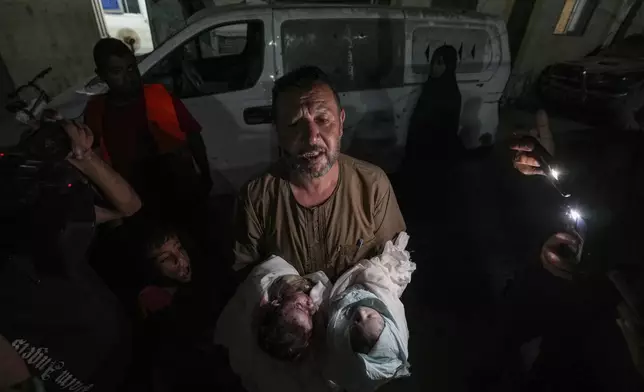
pixel 278 338
pixel 107 47
pixel 303 78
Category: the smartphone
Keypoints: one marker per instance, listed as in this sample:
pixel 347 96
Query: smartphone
pixel 575 224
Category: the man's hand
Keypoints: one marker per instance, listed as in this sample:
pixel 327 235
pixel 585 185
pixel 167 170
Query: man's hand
pixel 115 189
pixel 81 138
pixel 526 146
pixel 558 255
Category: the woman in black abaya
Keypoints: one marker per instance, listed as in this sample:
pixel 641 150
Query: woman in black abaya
pixel 429 175
pixel 433 127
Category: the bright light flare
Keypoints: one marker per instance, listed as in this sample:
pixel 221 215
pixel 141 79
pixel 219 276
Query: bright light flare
pixel 555 174
pixel 574 214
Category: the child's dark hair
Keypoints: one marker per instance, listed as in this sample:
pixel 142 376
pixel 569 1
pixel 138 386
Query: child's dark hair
pixel 155 236
pixel 151 236
pixel 278 338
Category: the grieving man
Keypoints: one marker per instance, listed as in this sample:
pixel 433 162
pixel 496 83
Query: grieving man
pixel 317 208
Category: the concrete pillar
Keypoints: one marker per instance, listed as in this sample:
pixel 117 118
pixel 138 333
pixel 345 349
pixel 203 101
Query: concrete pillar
pixel 36 34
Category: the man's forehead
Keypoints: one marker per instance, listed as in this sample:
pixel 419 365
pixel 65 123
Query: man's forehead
pixel 120 61
pixel 317 95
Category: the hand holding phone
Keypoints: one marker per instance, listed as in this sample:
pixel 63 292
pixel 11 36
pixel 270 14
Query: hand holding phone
pixel 559 254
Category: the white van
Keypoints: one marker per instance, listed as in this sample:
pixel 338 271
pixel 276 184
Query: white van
pixel 224 63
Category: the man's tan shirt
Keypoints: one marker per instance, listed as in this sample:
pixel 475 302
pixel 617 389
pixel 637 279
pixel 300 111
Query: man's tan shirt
pixel 353 224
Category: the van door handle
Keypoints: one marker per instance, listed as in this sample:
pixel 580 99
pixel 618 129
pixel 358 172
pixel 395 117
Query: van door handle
pixel 258 115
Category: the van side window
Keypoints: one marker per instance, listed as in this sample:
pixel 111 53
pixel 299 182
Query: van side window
pixel 219 60
pixel 122 6
pixel 358 54
pixel 132 6
pixel 473 47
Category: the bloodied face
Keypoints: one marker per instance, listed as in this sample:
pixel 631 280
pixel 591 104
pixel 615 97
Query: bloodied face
pixel 298 309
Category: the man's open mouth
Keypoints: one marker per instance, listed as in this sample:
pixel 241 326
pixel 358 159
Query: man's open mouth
pixel 311 154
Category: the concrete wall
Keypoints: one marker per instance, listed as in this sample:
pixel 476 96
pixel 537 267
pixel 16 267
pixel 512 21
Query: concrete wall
pixel 501 8
pixel 35 34
pixel 6 83
pixel 540 47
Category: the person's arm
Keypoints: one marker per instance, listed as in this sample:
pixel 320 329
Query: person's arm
pixel 198 150
pixel 388 219
pixel 116 190
pixel 106 215
pixel 13 369
pixel 248 233
pixel 197 147
pixel 525 160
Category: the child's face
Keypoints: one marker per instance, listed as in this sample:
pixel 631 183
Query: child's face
pixel 172 260
pixel 368 324
pixel 298 309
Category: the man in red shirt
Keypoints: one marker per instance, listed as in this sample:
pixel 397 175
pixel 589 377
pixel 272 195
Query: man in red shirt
pixel 148 136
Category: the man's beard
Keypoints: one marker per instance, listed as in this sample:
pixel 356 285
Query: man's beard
pixel 302 166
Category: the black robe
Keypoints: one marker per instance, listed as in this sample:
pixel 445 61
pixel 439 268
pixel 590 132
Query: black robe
pixel 433 127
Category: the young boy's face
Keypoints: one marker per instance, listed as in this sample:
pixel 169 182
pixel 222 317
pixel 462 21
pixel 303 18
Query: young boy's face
pixel 172 260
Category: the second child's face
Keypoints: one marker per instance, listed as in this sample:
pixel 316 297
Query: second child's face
pixel 368 324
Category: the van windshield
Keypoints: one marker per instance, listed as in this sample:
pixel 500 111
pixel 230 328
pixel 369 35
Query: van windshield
pixel 177 28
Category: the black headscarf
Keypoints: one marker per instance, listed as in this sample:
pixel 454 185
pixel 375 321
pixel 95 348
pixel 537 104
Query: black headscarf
pixel 448 55
pixel 434 123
